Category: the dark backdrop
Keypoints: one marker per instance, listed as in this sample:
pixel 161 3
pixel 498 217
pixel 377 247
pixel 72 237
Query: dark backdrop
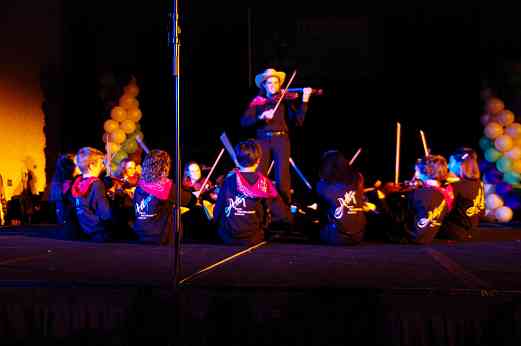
pixel 422 67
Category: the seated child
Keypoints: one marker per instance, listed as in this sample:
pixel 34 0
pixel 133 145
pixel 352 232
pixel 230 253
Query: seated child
pixel 127 174
pixel 193 181
pixel 340 191
pixel 92 206
pixel 197 221
pixel 469 196
pixel 429 203
pixel 154 200
pixel 120 190
pixel 242 208
pixel 60 189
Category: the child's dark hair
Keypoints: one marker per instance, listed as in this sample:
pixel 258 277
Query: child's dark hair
pixel 248 153
pixel 334 168
pixel 433 167
pixel 464 163
pixel 65 167
pixel 64 171
pixel 156 166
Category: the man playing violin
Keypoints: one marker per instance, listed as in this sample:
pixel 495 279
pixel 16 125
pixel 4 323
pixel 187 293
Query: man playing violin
pixel 271 126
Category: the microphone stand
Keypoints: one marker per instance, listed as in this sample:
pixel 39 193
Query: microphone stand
pixel 176 45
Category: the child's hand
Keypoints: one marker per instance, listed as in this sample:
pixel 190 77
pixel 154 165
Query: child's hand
pixel 267 115
pixel 306 94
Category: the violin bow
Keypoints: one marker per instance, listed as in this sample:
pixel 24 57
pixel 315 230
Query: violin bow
pixel 139 140
pixel 424 143
pixel 228 145
pixel 285 91
pixel 355 156
pixel 299 173
pixel 397 157
pixel 210 173
pixel 270 168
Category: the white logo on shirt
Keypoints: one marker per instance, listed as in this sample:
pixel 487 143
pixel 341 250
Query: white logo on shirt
pixel 433 217
pixel 238 205
pixel 142 208
pixel 348 202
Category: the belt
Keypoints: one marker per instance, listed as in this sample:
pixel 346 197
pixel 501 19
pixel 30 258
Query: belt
pixel 273 133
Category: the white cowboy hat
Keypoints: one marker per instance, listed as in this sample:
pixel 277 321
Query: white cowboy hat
pixel 261 77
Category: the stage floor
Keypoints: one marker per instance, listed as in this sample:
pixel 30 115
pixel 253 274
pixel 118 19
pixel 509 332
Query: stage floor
pixel 444 283
pixel 493 262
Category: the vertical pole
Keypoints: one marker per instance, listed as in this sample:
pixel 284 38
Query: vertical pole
pixel 176 44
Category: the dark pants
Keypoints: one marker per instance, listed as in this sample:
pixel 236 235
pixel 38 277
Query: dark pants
pixel 277 148
pixel 453 231
pixel 226 238
pixel 331 236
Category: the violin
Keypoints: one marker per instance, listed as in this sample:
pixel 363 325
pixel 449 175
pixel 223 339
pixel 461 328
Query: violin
pixel 208 191
pixel 406 186
pixel 294 93
pixel 316 92
pixel 288 95
pixel 391 187
pixel 123 186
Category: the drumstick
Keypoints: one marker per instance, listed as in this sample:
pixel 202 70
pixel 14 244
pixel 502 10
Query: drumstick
pixel 271 167
pixel 211 171
pixel 142 144
pixel 355 156
pixel 424 142
pixel 397 159
pixel 284 92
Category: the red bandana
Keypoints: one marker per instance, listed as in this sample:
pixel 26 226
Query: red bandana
pixel 448 194
pixel 81 186
pixel 159 189
pixel 262 188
